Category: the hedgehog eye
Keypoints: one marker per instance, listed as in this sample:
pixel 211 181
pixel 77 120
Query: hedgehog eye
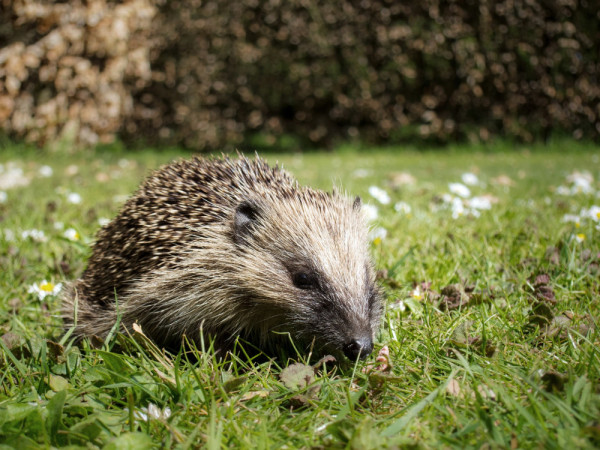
pixel 304 280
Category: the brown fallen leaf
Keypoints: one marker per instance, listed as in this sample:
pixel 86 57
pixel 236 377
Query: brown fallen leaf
pixel 453 388
pixel 16 344
pixel 400 179
pixel 253 394
pixel 503 180
pixel 453 297
pixel 55 350
pixel 553 255
pixel 382 362
pixel 324 360
pixel 542 290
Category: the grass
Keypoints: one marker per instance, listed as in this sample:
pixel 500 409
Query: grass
pixel 491 322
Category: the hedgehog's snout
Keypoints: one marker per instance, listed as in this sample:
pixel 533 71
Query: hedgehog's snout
pixel 359 347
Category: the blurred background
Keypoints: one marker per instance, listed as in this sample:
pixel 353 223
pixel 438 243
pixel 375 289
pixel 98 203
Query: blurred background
pixel 214 74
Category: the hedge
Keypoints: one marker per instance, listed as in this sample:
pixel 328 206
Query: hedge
pixel 208 74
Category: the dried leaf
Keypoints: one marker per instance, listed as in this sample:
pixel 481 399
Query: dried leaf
pixel 252 394
pixel 553 255
pixel 324 360
pixel 453 297
pixel 55 350
pixel 453 388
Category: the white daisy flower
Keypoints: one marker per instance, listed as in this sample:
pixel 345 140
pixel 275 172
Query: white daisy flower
pixel 581 182
pixel 470 179
pixel 447 198
pixel 458 208
pixel 44 289
pixel 102 221
pixel 480 203
pixel 152 412
pixel 71 234
pixel 417 293
pixel 403 207
pixel 74 198
pixel 459 189
pixel 380 195
pixel 572 218
pixel 592 213
pixel 13 177
pixel 377 234
pixel 9 235
pixel 46 171
pixel 35 235
pixel 3 197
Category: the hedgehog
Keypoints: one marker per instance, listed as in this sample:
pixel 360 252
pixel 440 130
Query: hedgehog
pixel 224 249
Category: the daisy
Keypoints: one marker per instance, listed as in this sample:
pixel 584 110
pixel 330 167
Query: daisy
pixel 35 235
pixel 470 179
pixel 581 182
pixel 480 203
pixel 9 235
pixel 152 412
pixel 459 189
pixel 380 195
pixel 74 198
pixel 573 219
pixel 377 235
pixel 46 171
pixel 44 289
pixel 458 207
pixel 71 234
pixel 417 293
pixel 592 213
pixel 403 207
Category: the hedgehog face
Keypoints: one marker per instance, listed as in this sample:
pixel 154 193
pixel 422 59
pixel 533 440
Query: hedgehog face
pixel 307 257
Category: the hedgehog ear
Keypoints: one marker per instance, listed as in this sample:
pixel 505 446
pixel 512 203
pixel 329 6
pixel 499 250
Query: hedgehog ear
pixel 245 215
pixel 357 203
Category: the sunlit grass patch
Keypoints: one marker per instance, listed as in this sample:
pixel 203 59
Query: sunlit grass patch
pixel 490 336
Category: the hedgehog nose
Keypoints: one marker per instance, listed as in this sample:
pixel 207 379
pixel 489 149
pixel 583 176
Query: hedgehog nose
pixel 361 347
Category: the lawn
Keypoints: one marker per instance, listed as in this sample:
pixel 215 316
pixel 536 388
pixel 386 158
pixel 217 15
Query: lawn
pixel 489 258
